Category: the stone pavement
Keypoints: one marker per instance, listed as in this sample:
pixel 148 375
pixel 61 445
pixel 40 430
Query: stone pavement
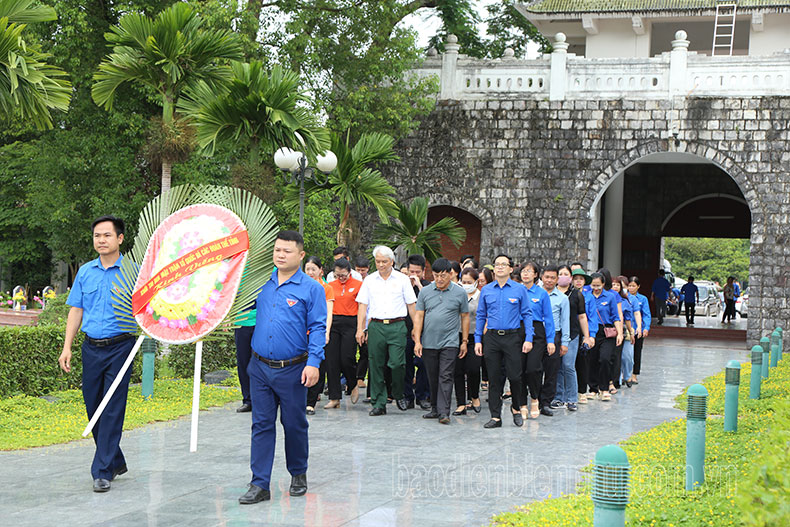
pixel 396 470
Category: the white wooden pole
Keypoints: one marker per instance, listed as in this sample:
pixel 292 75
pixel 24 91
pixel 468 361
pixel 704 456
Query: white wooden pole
pixel 114 386
pixel 196 396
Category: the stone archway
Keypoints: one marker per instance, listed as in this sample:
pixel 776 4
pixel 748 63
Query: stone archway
pixel 483 217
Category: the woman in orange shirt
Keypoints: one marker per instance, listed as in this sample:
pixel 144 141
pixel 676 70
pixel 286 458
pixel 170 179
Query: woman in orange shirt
pixel 314 270
pixel 341 352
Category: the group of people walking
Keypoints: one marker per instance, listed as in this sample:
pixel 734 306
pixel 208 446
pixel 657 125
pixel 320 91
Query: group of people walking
pixel 547 338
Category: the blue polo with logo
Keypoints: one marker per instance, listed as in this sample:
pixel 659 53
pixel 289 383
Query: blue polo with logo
pixel 606 307
pixel 290 319
pixel 540 303
pixel 505 308
pixel 92 292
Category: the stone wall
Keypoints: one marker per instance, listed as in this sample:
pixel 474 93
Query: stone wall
pixel 531 171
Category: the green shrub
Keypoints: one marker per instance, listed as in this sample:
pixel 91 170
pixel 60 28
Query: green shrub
pixel 55 313
pixel 29 361
pixel 218 354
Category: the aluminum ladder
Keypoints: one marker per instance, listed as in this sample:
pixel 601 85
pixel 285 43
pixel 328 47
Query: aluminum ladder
pixel 724 29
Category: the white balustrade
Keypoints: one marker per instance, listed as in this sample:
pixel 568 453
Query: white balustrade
pixel 561 75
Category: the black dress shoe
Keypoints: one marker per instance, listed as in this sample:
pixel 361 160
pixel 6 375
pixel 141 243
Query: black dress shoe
pixel 255 495
pixel 433 414
pixel 403 404
pixel 493 423
pixel 629 383
pixel 410 404
pixel 462 412
pixel 101 485
pixel 425 405
pixel 244 408
pixel 517 419
pixel 444 420
pixel 378 411
pixel 119 471
pixel 298 485
pixel 546 411
pixel 476 409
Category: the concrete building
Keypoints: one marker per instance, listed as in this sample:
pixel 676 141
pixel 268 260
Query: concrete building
pixel 598 154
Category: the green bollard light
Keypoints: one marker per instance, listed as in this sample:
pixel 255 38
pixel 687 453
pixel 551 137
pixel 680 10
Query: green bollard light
pixel 732 381
pixel 611 474
pixel 775 337
pixel 765 343
pixel 756 378
pixel 695 436
pixel 149 353
pixel 781 341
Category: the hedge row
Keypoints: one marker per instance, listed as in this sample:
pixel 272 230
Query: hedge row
pixel 218 354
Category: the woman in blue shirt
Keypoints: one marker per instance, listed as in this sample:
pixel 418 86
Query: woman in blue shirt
pixel 601 358
pixel 644 309
pixel 626 317
pixel 632 319
pixel 543 339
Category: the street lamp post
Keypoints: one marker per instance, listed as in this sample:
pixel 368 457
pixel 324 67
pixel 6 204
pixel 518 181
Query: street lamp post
pixel 295 165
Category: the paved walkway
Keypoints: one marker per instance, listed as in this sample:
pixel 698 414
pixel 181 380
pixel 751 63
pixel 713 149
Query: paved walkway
pixel 397 470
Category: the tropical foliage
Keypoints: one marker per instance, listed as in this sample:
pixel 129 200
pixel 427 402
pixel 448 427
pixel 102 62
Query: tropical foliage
pixel 709 258
pixel 29 86
pixel 410 233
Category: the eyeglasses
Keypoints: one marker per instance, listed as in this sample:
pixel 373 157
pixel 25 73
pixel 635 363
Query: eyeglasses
pixel 341 276
pixel 501 265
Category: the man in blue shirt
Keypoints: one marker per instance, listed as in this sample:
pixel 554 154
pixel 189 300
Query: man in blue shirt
pixel 691 297
pixel 659 294
pixel 560 311
pixel 104 348
pixel 287 350
pixel 502 308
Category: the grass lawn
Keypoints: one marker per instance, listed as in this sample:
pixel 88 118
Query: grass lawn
pixel 747 472
pixel 32 421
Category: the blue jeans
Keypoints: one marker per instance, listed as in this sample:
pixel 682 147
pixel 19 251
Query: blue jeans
pixel 628 360
pixel 567 386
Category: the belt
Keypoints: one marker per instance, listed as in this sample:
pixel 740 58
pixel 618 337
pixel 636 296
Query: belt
pixel 103 343
pixel 277 364
pixel 388 320
pixel 502 332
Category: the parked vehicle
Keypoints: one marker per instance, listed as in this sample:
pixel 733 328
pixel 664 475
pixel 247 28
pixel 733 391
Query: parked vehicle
pixel 742 303
pixel 709 303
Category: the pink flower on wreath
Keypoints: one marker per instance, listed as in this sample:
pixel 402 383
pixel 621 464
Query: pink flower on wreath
pixel 163 321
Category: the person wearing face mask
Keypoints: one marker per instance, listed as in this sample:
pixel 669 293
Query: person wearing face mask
pixel 567 380
pixel 543 343
pixel 467 368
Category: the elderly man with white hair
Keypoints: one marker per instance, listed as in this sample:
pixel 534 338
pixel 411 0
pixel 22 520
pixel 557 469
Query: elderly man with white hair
pixel 387 297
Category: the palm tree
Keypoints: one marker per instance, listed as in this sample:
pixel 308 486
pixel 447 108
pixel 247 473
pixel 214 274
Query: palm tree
pixel 167 54
pixel 29 87
pixel 411 233
pixel 355 182
pixel 259 107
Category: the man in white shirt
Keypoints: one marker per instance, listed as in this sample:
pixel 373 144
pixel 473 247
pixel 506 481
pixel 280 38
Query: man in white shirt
pixel 387 298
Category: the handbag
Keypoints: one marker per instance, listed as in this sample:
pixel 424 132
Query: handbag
pixel 608 331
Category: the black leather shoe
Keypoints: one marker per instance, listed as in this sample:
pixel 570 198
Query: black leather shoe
pixel 255 495
pixel 444 420
pixel 431 415
pixel 493 423
pixel 298 485
pixel 476 409
pixel 119 471
pixel 244 408
pixel 425 405
pixel 403 404
pixel 629 383
pixel 410 405
pixel 517 419
pixel 378 411
pixel 462 412
pixel 546 411
pixel 101 485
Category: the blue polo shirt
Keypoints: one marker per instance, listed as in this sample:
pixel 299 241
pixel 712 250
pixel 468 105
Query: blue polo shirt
pixel 92 292
pixel 628 310
pixel 503 307
pixel 606 307
pixel 541 310
pixel 689 292
pixel 286 314
pixel 661 288
pixel 644 308
pixel 593 320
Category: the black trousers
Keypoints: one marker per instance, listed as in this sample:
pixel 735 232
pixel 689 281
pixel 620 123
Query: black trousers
pixel 617 364
pixel 690 308
pixel 729 310
pixel 551 367
pixel 638 355
pixel 499 350
pixel 467 375
pixel 532 364
pixel 362 363
pixel 243 338
pixel 440 366
pixel 582 357
pixel 341 355
pixel 601 361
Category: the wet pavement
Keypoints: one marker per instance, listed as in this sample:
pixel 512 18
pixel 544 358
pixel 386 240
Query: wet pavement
pixel 395 470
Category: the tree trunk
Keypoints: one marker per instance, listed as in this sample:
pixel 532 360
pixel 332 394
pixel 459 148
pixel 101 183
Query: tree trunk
pixel 166 165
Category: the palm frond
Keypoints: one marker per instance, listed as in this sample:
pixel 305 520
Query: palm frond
pixel 21 11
